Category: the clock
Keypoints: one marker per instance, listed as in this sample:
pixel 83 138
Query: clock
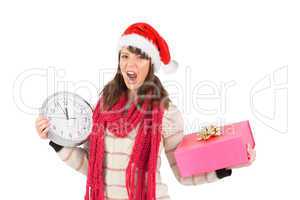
pixel 70 118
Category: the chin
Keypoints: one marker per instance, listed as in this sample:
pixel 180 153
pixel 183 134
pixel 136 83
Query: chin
pixel 132 87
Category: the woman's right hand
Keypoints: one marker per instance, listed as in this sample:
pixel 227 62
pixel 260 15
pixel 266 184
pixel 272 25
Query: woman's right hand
pixel 42 127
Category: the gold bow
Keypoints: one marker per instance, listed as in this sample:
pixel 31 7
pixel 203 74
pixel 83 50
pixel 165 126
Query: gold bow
pixel 209 131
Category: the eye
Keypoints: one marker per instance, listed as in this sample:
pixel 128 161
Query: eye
pixel 124 56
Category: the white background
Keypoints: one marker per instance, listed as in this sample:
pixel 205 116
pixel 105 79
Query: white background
pixel 252 47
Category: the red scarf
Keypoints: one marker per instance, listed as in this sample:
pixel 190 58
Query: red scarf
pixel 144 153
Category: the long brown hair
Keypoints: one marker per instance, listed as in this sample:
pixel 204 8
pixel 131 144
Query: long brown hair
pixel 116 87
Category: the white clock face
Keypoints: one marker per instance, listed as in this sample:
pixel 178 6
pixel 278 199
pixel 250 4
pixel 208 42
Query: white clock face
pixel 70 118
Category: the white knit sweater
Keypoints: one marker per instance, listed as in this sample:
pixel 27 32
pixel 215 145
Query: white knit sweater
pixel 117 154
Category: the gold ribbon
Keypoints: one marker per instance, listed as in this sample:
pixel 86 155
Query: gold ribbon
pixel 208 132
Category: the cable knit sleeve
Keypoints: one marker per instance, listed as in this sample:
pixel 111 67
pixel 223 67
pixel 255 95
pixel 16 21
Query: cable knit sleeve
pixel 74 157
pixel 173 133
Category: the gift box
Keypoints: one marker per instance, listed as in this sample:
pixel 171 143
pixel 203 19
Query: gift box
pixel 194 156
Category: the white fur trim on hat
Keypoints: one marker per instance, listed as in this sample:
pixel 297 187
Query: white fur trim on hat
pixel 145 45
pixel 171 67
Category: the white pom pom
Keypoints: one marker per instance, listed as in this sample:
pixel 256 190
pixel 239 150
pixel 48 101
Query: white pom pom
pixel 171 67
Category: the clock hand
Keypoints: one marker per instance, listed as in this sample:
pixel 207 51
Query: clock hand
pixel 67 115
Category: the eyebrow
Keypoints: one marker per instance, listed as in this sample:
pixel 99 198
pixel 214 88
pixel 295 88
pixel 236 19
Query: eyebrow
pixel 125 53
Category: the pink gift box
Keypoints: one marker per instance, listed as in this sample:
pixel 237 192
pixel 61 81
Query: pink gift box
pixel 225 151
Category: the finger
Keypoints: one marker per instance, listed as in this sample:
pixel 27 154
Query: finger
pixel 250 149
pixel 253 152
pixel 249 146
pixel 38 129
pixel 254 155
pixel 45 131
pixel 40 117
pixel 39 124
pixel 42 127
pixel 44 134
pixel 249 154
pixel 42 122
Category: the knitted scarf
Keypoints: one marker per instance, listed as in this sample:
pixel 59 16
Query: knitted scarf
pixel 143 158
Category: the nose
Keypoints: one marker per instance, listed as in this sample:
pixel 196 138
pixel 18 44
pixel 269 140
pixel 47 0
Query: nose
pixel 132 63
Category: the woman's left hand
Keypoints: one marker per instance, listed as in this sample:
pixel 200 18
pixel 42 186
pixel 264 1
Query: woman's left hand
pixel 251 154
pixel 251 157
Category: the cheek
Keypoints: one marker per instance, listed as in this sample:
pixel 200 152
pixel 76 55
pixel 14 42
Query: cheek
pixel 122 68
pixel 121 65
pixel 144 72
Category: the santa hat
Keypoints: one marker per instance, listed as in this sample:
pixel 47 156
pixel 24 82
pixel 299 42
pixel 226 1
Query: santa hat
pixel 146 38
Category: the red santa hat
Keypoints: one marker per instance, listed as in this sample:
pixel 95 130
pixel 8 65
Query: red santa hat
pixel 145 37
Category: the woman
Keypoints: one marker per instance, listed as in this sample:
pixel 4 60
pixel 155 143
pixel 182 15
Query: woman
pixel 133 121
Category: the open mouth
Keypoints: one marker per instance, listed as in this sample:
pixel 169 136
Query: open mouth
pixel 132 76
